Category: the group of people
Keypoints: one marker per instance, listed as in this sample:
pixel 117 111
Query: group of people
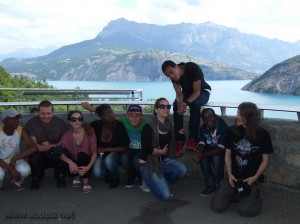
pixel 147 150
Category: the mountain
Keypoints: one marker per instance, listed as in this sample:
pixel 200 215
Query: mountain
pixel 126 50
pixel 281 78
pixel 206 40
pixel 27 53
pixel 112 65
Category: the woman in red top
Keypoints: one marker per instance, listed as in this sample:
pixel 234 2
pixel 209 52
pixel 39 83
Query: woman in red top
pixel 82 150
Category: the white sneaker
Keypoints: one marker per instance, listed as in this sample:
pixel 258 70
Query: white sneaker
pixel 17 185
pixel 144 187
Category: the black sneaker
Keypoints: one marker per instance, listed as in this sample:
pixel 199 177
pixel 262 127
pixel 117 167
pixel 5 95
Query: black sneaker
pixel 35 183
pixel 114 182
pixel 130 182
pixel 61 181
pixel 208 191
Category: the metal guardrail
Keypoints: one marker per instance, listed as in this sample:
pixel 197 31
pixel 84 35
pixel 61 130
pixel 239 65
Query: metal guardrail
pixel 222 106
pixel 76 94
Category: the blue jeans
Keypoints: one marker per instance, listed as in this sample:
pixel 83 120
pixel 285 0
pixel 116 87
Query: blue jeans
pixel 195 115
pixel 107 165
pixel 171 172
pixel 213 170
pixel 130 162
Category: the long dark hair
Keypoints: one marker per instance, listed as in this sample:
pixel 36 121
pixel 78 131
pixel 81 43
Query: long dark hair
pixel 252 116
pixel 71 112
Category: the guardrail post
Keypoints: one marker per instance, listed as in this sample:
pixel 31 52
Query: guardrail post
pixel 223 111
pixel 262 114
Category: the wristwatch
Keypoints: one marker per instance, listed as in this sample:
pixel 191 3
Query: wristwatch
pixel 187 102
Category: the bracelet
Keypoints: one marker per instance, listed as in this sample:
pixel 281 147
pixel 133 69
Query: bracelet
pixel 187 102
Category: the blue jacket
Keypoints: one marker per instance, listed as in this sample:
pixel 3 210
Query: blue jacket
pixel 205 137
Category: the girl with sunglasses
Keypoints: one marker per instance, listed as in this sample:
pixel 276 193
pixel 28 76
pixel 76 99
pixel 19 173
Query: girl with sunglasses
pixel 158 168
pixel 81 151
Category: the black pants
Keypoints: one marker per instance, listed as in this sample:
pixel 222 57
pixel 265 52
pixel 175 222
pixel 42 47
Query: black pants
pixel 82 160
pixel 39 161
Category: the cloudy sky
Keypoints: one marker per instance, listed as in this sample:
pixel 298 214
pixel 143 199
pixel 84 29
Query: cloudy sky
pixel 43 23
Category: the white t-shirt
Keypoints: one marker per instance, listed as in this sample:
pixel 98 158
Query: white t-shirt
pixel 9 145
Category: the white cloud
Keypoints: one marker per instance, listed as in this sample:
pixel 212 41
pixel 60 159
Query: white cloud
pixel 42 23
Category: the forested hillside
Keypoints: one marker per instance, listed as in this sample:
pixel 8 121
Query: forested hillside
pixel 281 78
pixel 7 81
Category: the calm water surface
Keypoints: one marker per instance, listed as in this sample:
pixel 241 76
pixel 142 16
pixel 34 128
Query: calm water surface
pixel 222 91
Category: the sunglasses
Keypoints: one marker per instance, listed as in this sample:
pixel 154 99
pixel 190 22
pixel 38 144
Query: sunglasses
pixel 162 106
pixel 74 119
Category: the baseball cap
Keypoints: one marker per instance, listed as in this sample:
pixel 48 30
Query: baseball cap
pixel 10 113
pixel 242 189
pixel 135 109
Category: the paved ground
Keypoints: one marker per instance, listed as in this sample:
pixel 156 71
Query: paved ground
pixel 133 206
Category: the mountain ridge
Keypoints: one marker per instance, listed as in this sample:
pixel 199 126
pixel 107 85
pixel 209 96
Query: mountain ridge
pixel 123 48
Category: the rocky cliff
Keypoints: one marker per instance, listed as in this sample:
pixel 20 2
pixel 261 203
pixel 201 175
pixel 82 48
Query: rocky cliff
pixel 281 78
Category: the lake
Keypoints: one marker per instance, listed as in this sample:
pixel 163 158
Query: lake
pixel 222 91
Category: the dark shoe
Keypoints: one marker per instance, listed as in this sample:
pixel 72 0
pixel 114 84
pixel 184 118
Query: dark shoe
pixel 130 182
pixel 35 183
pixel 191 145
pixel 1 185
pixel 208 191
pixel 61 181
pixel 179 148
pixel 107 180
pixel 114 182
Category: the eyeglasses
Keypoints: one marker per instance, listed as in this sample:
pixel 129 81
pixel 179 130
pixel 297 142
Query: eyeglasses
pixel 74 119
pixel 162 106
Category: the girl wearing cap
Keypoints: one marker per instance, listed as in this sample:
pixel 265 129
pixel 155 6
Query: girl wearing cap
pixel 158 168
pixel 134 123
pixel 81 151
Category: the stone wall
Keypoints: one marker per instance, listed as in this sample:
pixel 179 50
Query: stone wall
pixel 284 165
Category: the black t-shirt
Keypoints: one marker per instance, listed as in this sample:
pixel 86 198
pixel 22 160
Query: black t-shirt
pixel 246 157
pixel 192 73
pixel 119 138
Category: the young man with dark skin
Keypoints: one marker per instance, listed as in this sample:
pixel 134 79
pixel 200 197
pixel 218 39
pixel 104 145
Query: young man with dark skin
pixel 211 149
pixel 11 156
pixel 191 91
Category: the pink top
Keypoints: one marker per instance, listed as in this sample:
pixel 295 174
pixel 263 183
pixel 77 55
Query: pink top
pixel 88 144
